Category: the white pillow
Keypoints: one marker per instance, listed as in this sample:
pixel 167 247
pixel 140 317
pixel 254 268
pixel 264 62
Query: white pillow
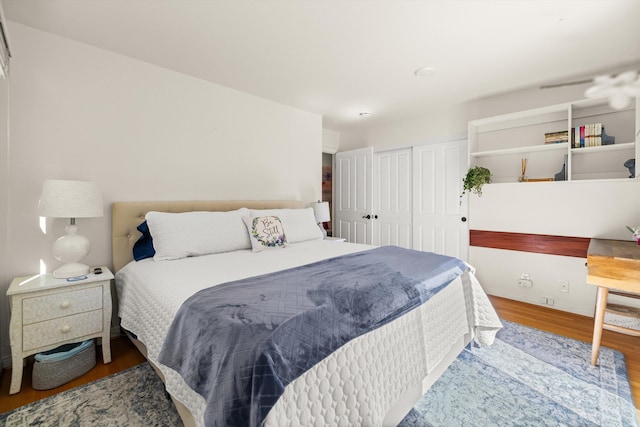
pixel 265 232
pixel 180 235
pixel 299 224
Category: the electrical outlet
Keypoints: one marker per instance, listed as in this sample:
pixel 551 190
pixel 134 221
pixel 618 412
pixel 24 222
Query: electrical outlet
pixel 547 300
pixel 525 281
pixel 563 286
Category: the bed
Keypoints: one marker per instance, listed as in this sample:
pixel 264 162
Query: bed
pixel 373 378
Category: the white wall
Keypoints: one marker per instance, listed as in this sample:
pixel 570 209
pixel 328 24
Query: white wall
pixel 450 123
pixel 4 192
pixel 599 209
pixel 330 141
pixel 581 209
pixel 432 127
pixel 578 208
pixel 142 133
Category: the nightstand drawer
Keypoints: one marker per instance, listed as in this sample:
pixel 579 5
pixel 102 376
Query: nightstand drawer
pixel 62 329
pixel 61 304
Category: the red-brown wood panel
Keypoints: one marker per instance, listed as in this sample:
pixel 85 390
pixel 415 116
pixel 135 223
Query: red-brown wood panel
pixel 538 243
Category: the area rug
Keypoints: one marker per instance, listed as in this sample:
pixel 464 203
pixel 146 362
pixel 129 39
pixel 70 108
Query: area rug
pixel 133 398
pixel 527 378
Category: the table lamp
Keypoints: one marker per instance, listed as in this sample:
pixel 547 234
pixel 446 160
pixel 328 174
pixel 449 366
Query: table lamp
pixel 321 212
pixel 70 199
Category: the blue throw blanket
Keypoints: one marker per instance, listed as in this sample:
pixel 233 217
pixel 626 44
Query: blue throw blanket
pixel 240 343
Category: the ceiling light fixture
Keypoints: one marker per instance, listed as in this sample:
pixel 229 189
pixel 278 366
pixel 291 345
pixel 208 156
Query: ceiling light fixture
pixel 364 114
pixel 424 71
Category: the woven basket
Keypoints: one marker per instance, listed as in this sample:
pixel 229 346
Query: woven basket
pixel 52 374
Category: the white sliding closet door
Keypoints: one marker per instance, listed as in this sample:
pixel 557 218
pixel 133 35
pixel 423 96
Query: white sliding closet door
pixel 407 197
pixel 439 221
pixel 392 197
pixel 353 195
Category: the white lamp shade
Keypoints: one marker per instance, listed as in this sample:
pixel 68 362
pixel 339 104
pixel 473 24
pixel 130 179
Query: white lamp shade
pixel 70 199
pixel 321 211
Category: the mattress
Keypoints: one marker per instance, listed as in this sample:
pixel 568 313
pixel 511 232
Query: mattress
pixel 150 293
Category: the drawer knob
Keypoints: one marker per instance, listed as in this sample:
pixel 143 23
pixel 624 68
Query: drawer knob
pixel 65 329
pixel 65 304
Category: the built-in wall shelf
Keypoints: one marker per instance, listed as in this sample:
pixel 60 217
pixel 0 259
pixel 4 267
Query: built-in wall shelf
pixel 521 150
pixel 613 147
pixel 500 143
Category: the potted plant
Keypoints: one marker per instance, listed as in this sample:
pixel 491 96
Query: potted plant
pixel 475 178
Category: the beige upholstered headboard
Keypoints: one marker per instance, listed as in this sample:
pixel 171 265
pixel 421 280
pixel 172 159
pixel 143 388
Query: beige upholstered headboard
pixel 126 216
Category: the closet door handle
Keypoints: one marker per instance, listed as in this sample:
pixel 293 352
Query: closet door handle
pixel 366 216
pixel 464 219
pixel 375 217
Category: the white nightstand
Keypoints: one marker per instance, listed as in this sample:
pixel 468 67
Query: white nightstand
pixel 47 312
pixel 335 239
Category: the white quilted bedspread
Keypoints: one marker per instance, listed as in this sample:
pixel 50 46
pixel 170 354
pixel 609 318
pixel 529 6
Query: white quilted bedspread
pixel 357 384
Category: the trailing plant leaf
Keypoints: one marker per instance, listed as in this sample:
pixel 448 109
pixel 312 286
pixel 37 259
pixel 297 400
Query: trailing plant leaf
pixel 474 180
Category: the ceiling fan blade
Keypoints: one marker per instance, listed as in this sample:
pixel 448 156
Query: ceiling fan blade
pixel 628 77
pixel 632 90
pixel 619 89
pixel 600 91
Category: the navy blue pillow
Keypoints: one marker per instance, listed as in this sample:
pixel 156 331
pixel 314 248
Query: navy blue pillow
pixel 143 248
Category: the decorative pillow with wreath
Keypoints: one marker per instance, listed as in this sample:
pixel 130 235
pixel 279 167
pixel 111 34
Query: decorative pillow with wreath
pixel 265 232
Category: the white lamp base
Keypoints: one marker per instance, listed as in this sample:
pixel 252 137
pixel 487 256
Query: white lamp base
pixel 324 232
pixel 73 269
pixel 70 249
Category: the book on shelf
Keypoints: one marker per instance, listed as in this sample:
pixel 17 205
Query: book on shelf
pixel 590 135
pixel 556 137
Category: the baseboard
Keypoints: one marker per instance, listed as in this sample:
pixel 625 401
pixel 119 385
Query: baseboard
pixel 518 297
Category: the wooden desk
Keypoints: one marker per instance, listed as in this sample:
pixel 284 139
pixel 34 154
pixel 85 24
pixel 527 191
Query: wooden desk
pixel 611 264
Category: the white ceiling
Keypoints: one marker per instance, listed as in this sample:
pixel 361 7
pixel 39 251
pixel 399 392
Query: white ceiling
pixel 339 58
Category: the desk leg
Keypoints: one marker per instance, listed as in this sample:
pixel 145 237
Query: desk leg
pixel 601 306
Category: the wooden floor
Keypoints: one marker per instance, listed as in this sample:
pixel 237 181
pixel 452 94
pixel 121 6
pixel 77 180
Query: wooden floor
pixel 125 355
